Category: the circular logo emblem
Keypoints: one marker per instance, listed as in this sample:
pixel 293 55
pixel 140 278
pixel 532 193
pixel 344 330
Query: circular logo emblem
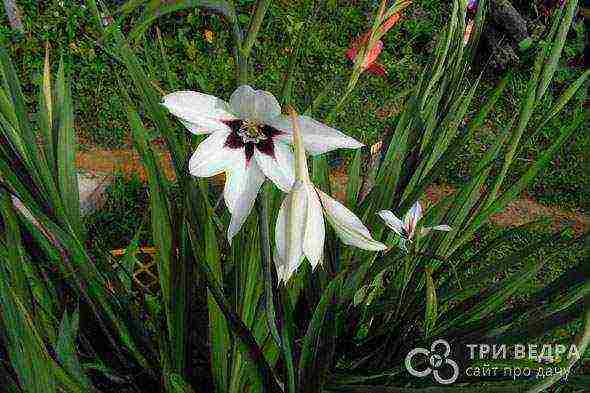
pixel 437 362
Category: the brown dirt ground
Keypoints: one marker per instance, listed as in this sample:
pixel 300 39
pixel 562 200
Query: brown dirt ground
pixel 120 161
pixel 521 211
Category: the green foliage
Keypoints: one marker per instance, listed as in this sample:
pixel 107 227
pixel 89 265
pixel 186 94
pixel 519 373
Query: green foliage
pixel 123 212
pixel 55 235
pixel 349 323
pixel 71 29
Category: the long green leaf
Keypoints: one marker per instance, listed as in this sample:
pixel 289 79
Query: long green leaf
pixel 66 154
pixel 557 48
pixel 517 188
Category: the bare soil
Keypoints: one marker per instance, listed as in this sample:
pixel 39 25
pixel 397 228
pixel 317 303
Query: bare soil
pixel 521 211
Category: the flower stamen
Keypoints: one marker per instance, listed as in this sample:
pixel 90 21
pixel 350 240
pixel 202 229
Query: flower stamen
pixel 250 131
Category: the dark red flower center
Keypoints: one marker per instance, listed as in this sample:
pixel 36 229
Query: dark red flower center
pixel 250 136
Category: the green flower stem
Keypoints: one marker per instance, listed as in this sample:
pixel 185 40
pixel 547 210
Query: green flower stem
pixel 360 59
pixel 278 321
pixel 275 315
pixel 272 298
pixel 241 62
pixel 255 25
pixel 269 380
pixel 244 46
pixel 242 55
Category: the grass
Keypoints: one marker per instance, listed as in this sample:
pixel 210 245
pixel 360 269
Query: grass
pixel 207 65
pixel 123 213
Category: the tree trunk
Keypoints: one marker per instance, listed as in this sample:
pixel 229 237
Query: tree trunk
pixel 502 53
pixel 506 16
pixel 506 33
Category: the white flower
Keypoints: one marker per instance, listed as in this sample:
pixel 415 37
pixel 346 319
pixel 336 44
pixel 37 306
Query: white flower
pixel 300 227
pixel 407 228
pixel 249 141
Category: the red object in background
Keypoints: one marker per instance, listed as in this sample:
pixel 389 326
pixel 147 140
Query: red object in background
pixel 389 23
pixel 370 63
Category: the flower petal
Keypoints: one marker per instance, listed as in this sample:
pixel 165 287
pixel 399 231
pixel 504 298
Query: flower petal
pixel 250 185
pixel 281 268
pixel 445 228
pixel 280 168
pixel 212 157
pixel 201 113
pixel 348 227
pixel 205 126
pixel 318 138
pixel 426 230
pixel 289 232
pixel 377 69
pixel 373 54
pixel 280 258
pixel 235 176
pixel 411 218
pixel 253 104
pixel 392 221
pixel 315 232
pixel 351 53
